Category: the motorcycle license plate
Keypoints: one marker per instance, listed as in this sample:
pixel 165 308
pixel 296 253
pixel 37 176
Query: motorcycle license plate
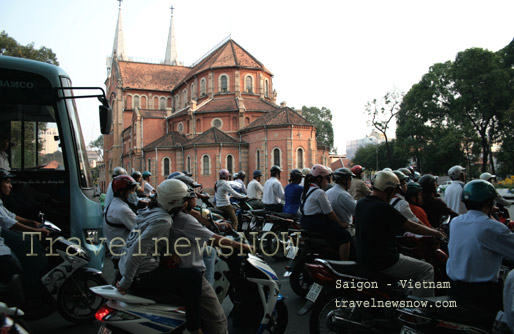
pixel 104 330
pixel 291 254
pixel 408 330
pixel 267 227
pixel 314 292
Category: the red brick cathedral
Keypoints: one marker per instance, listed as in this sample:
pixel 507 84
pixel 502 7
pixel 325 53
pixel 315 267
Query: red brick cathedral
pixel 220 112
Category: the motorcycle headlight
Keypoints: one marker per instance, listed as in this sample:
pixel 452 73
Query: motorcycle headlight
pixel 92 236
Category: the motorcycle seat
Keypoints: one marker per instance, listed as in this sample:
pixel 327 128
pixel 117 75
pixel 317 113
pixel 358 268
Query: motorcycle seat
pixel 353 268
pixel 111 293
pixel 284 215
pixel 259 212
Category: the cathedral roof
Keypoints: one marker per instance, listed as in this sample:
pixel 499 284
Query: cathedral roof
pixel 219 105
pixel 153 113
pixel 282 117
pixel 213 136
pixel 172 139
pixel 151 76
pixel 229 54
pixel 259 105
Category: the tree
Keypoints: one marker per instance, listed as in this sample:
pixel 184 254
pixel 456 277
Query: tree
pixel 9 47
pixel 98 146
pixel 367 156
pixel 382 113
pixel 322 120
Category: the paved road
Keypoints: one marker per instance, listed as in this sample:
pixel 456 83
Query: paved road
pixel 55 324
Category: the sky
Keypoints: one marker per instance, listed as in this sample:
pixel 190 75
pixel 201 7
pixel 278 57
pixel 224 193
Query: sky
pixel 336 54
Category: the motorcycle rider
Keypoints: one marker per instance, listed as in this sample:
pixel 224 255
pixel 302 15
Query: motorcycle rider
pixel 190 236
pixel 255 190
pixel 318 215
pixel 139 265
pixel 414 196
pixel 110 194
pixel 398 201
pixel 342 202
pixel 359 189
pixel 149 190
pixel 492 179
pixel 240 178
pixel 453 193
pixel 434 207
pixel 293 192
pixel 223 190
pixel 377 223
pixel 119 219
pixel 273 193
pixel 476 249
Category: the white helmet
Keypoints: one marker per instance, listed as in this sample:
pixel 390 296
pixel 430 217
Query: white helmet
pixel 487 176
pixel 384 180
pixel 455 172
pixel 172 194
pixel 119 171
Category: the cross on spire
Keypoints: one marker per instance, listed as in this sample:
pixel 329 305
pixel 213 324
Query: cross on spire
pixel 120 1
pixel 172 8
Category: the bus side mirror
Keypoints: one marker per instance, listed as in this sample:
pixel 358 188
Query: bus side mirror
pixel 105 119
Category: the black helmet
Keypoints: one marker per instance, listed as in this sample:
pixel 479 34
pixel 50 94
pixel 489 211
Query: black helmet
pixel 413 188
pixel 428 183
pixel 257 173
pixel 295 175
pixel 186 172
pixel 241 175
pixel 5 174
pixel 187 180
pixel 274 170
pixel 342 173
pixel 136 175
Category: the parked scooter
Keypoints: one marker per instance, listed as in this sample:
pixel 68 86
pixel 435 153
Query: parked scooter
pixel 250 283
pixel 65 280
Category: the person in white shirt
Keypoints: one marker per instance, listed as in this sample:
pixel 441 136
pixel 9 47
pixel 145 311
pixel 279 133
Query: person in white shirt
pixel 149 190
pixel 273 193
pixel 109 195
pixel 453 193
pixel 240 178
pixel 255 190
pixel 223 190
pixel 398 201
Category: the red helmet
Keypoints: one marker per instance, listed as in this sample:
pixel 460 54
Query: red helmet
pixel 357 169
pixel 122 182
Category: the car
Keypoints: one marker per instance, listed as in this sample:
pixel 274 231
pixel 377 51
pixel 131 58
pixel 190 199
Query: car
pixel 442 187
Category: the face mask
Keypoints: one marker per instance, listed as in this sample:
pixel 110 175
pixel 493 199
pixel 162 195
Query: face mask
pixel 132 198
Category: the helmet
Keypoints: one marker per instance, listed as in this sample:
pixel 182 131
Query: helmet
pixel 235 176
pixel 416 176
pixel 342 173
pixel 384 180
pixel 241 174
pixel 186 172
pixel 295 175
pixel 172 193
pixel 257 173
pixel 405 171
pixel 174 175
pixel 223 173
pixel 187 180
pixel 320 170
pixel 146 174
pixel 400 175
pixel 487 176
pixel 357 169
pixel 123 182
pixel 306 171
pixel 136 175
pixel 274 170
pixel 5 174
pixel 455 172
pixel 413 188
pixel 119 171
pixel 478 191
pixel 428 183
pixel 387 169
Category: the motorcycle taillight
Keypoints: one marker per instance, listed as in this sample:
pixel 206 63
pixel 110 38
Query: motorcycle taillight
pixel 103 312
pixel 321 274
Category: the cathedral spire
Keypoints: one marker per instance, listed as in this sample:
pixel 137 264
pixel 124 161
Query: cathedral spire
pixel 118 48
pixel 171 49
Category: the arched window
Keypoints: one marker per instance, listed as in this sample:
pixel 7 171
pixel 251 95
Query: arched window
pixel 234 123
pixel 162 104
pixel 224 84
pixel 206 165
pixel 136 102
pixel 177 102
pixel 155 102
pixel 188 164
pixel 266 88
pixel 247 121
pixel 249 84
pixel 193 92
pixel 257 159
pixel 168 102
pixel 203 90
pixel 184 93
pixel 230 163
pixel 143 102
pixel 299 158
pixel 149 165
pixel 276 156
pixel 198 125
pixel 128 102
pixel 166 166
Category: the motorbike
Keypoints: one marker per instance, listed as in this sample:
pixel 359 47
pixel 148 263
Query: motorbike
pixel 11 318
pixel 249 282
pixel 65 281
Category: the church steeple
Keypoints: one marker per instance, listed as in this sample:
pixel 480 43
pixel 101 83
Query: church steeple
pixel 118 48
pixel 171 49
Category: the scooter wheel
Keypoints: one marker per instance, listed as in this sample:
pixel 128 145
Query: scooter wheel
pixel 75 302
pixel 279 320
pixel 300 280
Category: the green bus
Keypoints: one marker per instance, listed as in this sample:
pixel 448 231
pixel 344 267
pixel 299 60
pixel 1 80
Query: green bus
pixel 46 151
